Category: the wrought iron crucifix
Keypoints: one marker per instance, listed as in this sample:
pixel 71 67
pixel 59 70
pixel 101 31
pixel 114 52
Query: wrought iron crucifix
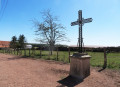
pixel 81 22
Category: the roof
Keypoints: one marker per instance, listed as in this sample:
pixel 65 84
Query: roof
pixel 4 44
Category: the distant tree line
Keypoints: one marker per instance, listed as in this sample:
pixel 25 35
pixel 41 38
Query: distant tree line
pixel 108 49
pixel 46 47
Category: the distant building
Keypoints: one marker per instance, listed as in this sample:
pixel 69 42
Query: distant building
pixel 4 44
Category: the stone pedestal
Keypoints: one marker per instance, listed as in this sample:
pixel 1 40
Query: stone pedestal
pixel 80 65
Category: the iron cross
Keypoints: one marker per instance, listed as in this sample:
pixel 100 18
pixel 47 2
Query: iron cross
pixel 81 21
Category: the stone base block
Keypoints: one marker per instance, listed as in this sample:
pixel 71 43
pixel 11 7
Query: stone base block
pixel 80 65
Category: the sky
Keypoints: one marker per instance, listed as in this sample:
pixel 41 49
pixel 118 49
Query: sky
pixel 104 30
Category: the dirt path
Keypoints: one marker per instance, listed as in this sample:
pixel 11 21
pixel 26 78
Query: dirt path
pixel 23 72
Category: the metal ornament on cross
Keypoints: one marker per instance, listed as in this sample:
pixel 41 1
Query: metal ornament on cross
pixel 81 21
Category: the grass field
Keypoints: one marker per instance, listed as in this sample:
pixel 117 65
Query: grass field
pixel 97 58
pixel 113 59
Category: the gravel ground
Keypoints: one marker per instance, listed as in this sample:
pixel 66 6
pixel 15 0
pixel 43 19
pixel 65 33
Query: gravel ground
pixel 23 72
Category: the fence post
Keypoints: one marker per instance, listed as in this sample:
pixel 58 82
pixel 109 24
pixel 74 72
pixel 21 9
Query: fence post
pixel 57 53
pixel 29 52
pixel 34 51
pixel 17 51
pixel 3 50
pixel 20 52
pixel 40 52
pixel 64 58
pixel 11 51
pixel 14 50
pixel 69 54
pixel 25 52
pixel 105 59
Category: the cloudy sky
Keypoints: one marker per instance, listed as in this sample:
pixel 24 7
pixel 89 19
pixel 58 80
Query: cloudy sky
pixel 15 16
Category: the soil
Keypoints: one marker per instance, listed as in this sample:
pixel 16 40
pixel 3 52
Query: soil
pixel 16 71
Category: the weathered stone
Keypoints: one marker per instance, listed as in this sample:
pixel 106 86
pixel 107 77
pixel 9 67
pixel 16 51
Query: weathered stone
pixel 80 65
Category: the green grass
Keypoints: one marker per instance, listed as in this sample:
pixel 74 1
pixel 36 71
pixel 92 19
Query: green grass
pixel 97 58
pixel 113 60
pixel 62 56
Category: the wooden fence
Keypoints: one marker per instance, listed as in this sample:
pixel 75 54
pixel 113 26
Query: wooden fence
pixel 57 55
pixel 99 59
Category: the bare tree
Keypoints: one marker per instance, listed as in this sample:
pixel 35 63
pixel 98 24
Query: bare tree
pixel 49 31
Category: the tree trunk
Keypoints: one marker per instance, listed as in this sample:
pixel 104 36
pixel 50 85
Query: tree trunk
pixel 51 49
